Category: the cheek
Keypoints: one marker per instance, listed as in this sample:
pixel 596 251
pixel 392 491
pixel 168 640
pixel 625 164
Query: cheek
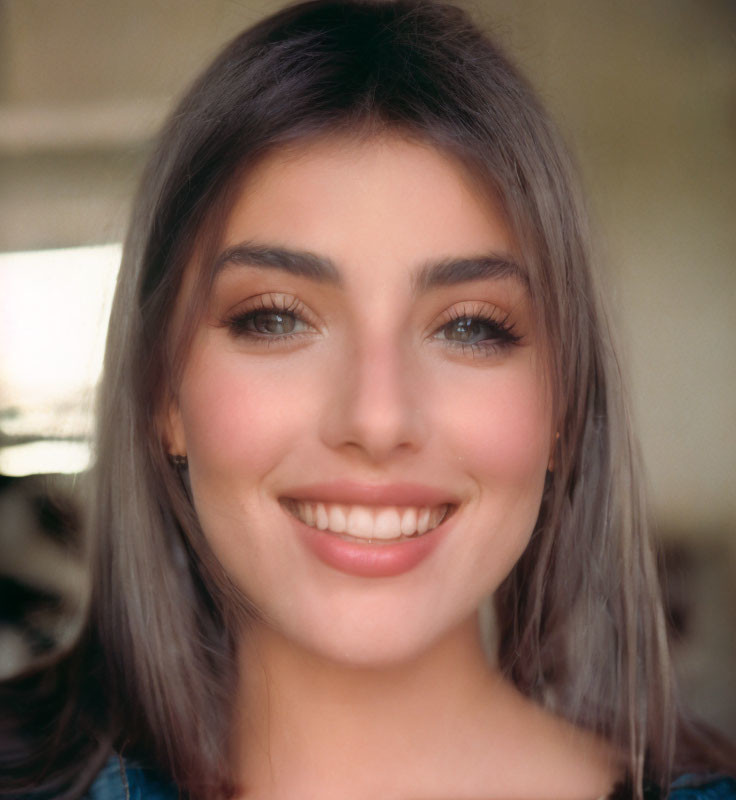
pixel 238 421
pixel 499 434
pixel 501 427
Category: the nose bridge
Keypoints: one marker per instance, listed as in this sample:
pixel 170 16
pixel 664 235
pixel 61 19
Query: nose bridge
pixel 375 404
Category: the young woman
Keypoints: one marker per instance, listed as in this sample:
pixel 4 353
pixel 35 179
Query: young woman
pixel 359 379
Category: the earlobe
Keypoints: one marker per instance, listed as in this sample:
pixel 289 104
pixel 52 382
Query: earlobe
pixel 172 432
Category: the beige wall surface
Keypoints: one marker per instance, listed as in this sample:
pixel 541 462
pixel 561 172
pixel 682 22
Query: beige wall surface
pixel 645 92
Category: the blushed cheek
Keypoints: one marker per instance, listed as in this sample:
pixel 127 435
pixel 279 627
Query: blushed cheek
pixel 502 430
pixel 238 423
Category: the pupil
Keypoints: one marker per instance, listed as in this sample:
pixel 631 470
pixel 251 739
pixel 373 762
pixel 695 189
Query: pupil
pixel 466 329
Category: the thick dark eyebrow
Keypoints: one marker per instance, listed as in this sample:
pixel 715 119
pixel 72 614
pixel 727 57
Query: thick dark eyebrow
pixel 296 262
pixel 451 271
pixel 446 272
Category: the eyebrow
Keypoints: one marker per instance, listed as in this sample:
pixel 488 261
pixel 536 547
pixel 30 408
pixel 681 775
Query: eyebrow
pixel 295 262
pixel 451 271
pixel 432 275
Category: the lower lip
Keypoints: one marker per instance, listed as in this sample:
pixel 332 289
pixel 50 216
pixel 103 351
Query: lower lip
pixel 372 559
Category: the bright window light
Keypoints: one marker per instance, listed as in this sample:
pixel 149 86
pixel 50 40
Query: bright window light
pixel 44 457
pixel 54 308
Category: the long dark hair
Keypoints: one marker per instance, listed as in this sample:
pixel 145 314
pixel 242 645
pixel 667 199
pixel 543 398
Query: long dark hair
pixel 581 623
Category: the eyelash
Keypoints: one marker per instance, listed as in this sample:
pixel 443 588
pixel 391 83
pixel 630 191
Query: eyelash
pixel 274 304
pixel 502 335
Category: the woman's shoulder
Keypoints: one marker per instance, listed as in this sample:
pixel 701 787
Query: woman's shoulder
pixel 121 779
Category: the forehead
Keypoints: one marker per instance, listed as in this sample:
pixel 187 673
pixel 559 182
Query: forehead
pixel 367 203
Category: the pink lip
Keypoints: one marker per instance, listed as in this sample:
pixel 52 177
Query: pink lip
pixel 369 559
pixel 389 494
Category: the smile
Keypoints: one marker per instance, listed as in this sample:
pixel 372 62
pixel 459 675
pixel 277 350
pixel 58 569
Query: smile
pixel 369 523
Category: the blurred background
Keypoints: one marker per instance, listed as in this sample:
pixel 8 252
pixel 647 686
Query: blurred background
pixel 644 92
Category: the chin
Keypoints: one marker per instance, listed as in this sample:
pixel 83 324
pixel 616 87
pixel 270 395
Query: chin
pixel 373 653
pixel 372 640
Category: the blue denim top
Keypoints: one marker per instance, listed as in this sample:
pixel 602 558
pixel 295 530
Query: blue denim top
pixel 119 780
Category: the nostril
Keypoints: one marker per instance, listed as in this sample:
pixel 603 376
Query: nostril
pixel 373 410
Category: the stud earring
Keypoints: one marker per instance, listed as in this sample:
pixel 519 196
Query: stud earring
pixel 178 461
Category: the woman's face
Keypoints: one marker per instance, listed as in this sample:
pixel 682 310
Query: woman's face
pixel 364 406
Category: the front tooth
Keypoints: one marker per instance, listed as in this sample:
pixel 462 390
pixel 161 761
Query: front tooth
pixel 423 521
pixel 337 518
pixel 409 522
pixel 387 524
pixel 359 522
pixel 307 513
pixel 322 520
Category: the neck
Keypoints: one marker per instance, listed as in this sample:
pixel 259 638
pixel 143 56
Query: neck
pixel 307 716
pixel 444 724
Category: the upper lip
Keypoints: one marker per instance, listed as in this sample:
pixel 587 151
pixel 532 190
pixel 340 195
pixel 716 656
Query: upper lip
pixel 349 492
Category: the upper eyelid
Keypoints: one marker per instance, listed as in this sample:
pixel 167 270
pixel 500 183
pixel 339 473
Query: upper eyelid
pixel 472 308
pixel 272 301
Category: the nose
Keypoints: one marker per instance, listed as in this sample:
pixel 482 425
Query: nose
pixel 374 407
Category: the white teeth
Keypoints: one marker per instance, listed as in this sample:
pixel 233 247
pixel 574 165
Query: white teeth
pixel 322 519
pixel 387 524
pixel 423 521
pixel 368 522
pixel 409 521
pixel 338 520
pixel 360 522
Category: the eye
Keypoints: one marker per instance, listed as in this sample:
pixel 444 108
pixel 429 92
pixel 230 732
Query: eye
pixel 480 331
pixel 468 330
pixel 274 318
pixel 270 323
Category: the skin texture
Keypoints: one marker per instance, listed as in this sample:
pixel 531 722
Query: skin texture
pixel 373 386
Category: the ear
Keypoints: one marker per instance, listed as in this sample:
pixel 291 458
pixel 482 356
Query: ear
pixel 171 429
